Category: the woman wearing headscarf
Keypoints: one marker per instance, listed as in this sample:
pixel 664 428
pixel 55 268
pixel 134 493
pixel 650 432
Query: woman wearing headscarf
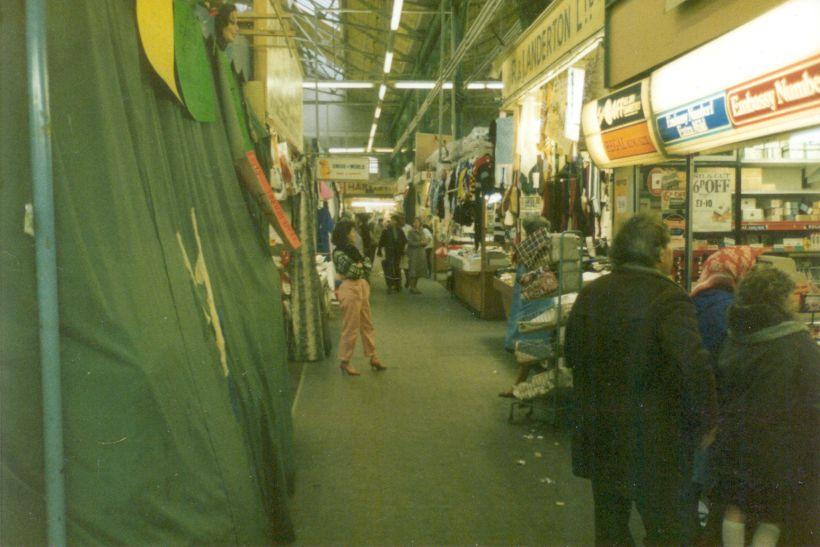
pixel 714 291
pixel 354 296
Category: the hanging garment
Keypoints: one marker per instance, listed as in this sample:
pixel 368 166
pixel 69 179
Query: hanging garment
pixel 464 213
pixel 499 232
pixel 484 174
pixel 410 202
pixel 324 226
pixel 478 214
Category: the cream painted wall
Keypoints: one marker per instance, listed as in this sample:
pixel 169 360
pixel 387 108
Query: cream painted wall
pixel 280 70
pixel 642 34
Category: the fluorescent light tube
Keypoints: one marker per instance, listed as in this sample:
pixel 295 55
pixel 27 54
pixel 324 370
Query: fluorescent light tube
pixel 378 112
pixel 382 91
pixel 388 61
pixel 495 85
pixel 476 85
pixel 383 150
pixel 376 204
pixel 413 84
pixel 346 150
pixel 394 21
pixel 345 85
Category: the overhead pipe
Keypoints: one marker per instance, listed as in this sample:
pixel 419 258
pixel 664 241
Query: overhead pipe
pixel 46 268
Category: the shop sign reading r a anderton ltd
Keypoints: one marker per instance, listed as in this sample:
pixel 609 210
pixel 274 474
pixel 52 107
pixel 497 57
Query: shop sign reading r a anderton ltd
pixel 790 90
pixel 564 25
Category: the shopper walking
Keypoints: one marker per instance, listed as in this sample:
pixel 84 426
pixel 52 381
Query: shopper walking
pixel 391 247
pixel 368 245
pixel 416 258
pixel 428 249
pixel 354 296
pixel 644 393
pixel 766 449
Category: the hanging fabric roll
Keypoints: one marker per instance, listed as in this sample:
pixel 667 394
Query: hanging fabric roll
pixel 250 173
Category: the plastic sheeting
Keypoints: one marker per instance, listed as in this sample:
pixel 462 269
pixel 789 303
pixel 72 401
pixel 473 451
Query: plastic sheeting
pixel 162 446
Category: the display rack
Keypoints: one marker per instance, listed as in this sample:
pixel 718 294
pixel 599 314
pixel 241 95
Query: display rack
pixel 570 280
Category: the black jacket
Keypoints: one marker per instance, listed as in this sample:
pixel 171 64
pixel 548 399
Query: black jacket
pixel 766 451
pixel 644 392
pixel 393 244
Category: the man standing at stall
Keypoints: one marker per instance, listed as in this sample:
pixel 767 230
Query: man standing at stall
pixel 644 391
pixel 391 247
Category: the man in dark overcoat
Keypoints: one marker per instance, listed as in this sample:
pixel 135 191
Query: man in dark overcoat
pixel 391 246
pixel 644 393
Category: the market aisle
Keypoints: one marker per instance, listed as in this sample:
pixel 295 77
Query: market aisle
pixel 423 453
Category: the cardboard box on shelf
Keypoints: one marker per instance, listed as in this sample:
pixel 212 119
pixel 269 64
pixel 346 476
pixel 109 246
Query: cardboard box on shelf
pixel 748 203
pixel 753 214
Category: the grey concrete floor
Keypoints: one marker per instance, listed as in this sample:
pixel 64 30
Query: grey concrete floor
pixel 423 453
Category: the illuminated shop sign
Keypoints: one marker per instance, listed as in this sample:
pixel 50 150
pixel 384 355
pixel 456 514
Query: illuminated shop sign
pixel 617 130
pixel 623 107
pixel 698 119
pixel 789 90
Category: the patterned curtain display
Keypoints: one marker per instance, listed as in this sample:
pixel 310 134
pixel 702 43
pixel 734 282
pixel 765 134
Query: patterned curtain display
pixel 306 293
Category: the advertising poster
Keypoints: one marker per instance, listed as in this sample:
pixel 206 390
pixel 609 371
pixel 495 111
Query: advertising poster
pixel 712 200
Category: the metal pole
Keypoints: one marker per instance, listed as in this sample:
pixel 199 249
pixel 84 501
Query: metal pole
pixel 46 267
pixel 440 72
pixel 455 80
pixel 687 252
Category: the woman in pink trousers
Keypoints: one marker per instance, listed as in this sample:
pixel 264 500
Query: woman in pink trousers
pixel 354 295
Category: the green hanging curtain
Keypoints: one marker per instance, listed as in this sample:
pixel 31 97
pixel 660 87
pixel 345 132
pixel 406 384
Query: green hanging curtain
pixel 177 403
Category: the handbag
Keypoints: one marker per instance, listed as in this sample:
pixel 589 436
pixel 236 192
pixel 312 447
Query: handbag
pixel 538 284
pixel 535 251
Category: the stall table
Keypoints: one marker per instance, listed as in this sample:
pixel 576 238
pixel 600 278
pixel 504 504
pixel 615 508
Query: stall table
pixel 505 292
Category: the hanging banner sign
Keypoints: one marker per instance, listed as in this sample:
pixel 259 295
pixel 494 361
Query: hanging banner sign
pixel 789 90
pixel 712 201
pixel 694 120
pixel 617 129
pixel 563 26
pixel 342 168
